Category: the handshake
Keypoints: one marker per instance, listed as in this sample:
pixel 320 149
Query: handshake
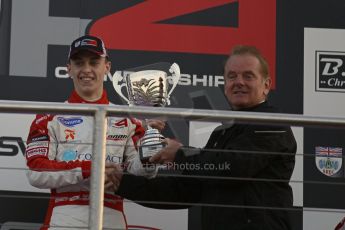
pixel 114 172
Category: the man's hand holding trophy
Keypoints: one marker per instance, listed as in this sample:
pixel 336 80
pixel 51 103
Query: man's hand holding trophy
pixel 149 85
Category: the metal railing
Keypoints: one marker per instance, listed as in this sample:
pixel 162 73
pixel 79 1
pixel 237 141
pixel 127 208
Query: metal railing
pixel 100 112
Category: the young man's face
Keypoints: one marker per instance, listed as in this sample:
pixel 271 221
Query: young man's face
pixel 87 71
pixel 245 85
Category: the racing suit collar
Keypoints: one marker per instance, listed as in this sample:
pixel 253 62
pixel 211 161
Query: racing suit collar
pixel 75 98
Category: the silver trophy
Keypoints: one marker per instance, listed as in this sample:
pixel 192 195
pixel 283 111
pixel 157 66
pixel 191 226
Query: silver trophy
pixel 149 85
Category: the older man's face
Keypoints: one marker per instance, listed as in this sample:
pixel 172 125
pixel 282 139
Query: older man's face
pixel 245 85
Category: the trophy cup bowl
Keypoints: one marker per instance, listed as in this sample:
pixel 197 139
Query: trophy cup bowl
pixel 148 86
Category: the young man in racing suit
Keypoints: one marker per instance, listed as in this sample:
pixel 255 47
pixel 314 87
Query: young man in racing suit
pixel 59 147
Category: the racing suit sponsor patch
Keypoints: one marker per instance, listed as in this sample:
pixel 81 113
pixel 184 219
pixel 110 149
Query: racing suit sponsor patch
pixel 42 119
pixel 37 151
pixel 117 137
pixel 70 122
pixel 121 123
pixel 36 144
pixel 40 138
pixel 69 134
pixel 69 155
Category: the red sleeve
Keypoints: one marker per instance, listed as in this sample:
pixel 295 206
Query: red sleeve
pixel 139 131
pixel 44 170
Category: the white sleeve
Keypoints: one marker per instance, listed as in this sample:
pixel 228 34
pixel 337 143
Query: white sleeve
pixel 131 155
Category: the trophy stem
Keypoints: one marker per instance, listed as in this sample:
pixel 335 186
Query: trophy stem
pixel 150 144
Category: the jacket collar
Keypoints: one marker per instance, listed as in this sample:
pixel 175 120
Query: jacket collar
pixel 262 107
pixel 255 107
pixel 75 98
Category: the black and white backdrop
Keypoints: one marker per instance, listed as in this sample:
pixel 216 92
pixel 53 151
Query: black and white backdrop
pixel 304 41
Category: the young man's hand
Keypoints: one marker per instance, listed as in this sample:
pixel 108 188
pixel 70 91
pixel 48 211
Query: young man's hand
pixel 113 176
pixel 156 124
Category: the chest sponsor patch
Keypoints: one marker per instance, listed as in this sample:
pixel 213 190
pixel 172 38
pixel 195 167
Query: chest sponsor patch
pixel 120 123
pixel 69 134
pixel 70 122
pixel 117 137
pixel 69 155
pixel 113 159
pixel 88 157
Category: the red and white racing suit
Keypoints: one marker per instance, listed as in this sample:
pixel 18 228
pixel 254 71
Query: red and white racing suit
pixel 58 155
pixel 340 225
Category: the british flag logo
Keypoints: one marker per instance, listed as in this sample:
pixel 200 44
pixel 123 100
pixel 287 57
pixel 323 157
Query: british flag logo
pixel 328 160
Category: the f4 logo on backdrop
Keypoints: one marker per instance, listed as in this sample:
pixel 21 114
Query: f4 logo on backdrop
pixel 153 25
pixel 144 27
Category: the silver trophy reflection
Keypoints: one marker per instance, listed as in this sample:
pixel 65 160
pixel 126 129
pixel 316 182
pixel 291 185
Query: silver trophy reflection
pixel 149 85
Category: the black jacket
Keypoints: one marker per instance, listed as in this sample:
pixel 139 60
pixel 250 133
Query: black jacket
pixel 253 193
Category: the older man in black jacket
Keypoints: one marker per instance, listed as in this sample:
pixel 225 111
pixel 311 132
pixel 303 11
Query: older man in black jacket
pixel 248 186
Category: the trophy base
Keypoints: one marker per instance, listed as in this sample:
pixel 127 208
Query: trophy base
pixel 147 151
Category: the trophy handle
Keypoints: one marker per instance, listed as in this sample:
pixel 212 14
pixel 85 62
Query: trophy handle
pixel 175 77
pixel 116 79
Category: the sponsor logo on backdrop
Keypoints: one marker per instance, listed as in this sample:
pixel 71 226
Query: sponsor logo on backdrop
pixel 330 71
pixel 205 80
pixel 10 146
pixel 260 24
pixel 70 122
pixel 328 160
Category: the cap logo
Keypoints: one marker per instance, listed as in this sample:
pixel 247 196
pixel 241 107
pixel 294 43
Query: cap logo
pixel 88 42
pixel 77 44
